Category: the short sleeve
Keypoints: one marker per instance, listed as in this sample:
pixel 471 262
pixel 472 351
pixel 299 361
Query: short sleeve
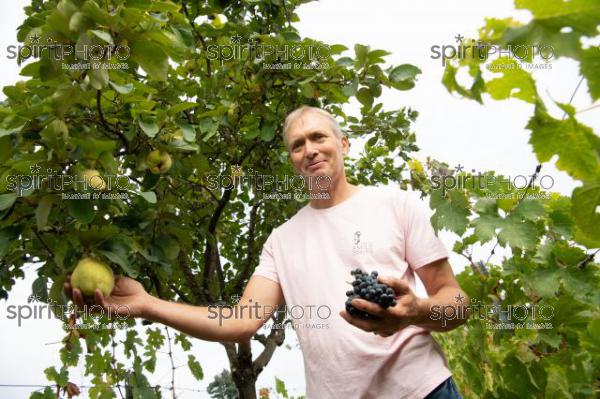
pixel 422 245
pixel 266 264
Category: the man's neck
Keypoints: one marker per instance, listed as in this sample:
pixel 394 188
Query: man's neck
pixel 338 192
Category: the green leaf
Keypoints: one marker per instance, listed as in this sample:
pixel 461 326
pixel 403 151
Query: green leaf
pixel 39 288
pixel 307 90
pixel 515 82
pixel 350 90
pixel 81 209
pixel 148 126
pixel 117 251
pixel 485 227
pixel 189 132
pixel 195 368
pixel 43 211
pixel 518 234
pixel 545 282
pixel 586 201
pixel 98 78
pixel 530 209
pixel 6 132
pixel 122 89
pixel 376 56
pixel 337 48
pixel 152 58
pixel 558 384
pixel 169 246
pixel 280 387
pixel 174 110
pixel 548 137
pixel 451 212
pixel 7 200
pixel 103 35
pixel 589 67
pixel 149 196
pixel 404 73
pixel 365 97
pixel 361 52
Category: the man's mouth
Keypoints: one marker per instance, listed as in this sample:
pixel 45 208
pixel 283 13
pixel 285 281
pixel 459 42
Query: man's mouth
pixel 315 165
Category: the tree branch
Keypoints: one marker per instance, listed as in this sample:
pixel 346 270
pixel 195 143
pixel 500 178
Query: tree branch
pixel 199 297
pixel 103 121
pixel 276 338
pixel 199 37
pixel 250 249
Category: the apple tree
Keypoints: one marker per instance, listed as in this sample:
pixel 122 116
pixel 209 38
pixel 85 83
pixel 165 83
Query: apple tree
pixel 162 105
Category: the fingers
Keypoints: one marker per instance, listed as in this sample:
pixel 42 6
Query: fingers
pixel 68 290
pixel 399 286
pixel 366 325
pixel 369 307
pixel 99 298
pixel 78 298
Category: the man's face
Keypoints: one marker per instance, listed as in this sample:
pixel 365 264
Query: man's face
pixel 315 149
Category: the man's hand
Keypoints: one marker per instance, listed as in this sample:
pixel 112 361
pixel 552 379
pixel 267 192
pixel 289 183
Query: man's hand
pixel 128 298
pixel 407 311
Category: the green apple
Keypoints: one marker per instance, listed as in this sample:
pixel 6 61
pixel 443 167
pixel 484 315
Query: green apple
pixel 159 161
pixel 93 179
pixel 90 274
pixel 218 21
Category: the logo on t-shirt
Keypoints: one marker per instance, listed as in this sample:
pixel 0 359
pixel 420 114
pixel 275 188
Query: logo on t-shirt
pixel 361 247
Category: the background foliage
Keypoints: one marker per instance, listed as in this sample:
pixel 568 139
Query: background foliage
pixel 183 240
pixel 187 242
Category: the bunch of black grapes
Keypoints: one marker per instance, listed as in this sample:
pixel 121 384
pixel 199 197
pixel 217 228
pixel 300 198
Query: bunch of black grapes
pixel 366 287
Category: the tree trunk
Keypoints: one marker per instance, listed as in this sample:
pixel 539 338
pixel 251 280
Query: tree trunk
pixel 246 384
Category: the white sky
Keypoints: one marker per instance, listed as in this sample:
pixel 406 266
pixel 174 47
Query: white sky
pixel 452 129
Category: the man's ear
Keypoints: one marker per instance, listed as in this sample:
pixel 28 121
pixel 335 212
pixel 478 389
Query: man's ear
pixel 345 145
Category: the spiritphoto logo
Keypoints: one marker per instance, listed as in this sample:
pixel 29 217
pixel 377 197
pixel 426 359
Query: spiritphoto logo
pixel 34 309
pixel 272 186
pixel 93 56
pixel 90 182
pixel 484 51
pixel 497 316
pixel 284 56
pixel 299 316
pixel 508 185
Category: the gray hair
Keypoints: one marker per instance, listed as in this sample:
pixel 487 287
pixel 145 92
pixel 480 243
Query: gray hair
pixel 300 111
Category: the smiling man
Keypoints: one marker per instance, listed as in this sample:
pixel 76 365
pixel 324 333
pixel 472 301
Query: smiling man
pixel 306 263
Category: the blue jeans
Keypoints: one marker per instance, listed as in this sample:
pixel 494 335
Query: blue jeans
pixel 446 390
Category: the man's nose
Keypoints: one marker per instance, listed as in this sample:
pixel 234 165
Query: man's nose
pixel 311 150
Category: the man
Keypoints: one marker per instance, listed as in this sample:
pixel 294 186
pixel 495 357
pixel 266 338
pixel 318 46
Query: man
pixel 306 264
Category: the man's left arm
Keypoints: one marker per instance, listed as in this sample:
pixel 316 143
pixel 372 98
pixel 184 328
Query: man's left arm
pixel 443 291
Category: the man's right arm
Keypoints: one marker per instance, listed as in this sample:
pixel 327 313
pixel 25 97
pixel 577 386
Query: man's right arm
pixel 236 323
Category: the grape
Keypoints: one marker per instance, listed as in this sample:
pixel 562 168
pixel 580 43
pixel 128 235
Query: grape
pixel 366 286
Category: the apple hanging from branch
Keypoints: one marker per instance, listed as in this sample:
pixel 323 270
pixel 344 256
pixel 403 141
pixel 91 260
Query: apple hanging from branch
pixel 159 161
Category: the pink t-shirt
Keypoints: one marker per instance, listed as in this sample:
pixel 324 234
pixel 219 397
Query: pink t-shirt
pixel 311 256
